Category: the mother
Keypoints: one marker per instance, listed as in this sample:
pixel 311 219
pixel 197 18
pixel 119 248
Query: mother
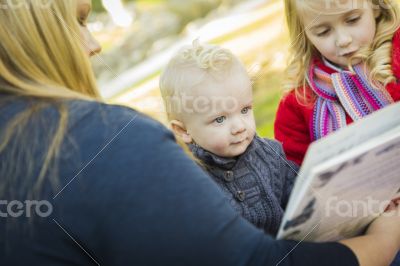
pixel 116 188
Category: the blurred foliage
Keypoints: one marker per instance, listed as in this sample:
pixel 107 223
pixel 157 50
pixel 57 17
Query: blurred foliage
pixel 98 7
pixel 187 10
pixel 163 21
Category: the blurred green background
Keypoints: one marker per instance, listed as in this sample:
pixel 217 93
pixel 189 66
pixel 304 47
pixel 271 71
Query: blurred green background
pixel 134 53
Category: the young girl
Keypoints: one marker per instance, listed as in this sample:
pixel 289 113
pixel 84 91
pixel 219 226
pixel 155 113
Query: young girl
pixel 344 65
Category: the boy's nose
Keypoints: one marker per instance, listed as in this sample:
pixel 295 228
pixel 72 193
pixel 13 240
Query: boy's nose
pixel 238 127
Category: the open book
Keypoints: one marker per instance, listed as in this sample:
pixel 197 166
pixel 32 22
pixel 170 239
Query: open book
pixel 347 179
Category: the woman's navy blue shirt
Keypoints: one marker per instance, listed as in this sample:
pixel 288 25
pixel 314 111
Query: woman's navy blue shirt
pixel 128 195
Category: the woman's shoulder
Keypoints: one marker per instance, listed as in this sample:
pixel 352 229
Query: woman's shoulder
pixel 100 121
pixel 95 112
pixel 119 132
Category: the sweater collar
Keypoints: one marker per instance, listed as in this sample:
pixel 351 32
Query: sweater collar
pixel 212 159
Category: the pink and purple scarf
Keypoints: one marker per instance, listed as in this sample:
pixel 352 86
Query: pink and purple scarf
pixel 340 92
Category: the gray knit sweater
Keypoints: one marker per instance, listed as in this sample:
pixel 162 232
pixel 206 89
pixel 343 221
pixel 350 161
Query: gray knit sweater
pixel 257 183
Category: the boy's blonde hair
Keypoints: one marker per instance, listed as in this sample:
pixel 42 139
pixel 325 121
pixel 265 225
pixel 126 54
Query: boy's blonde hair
pixel 377 56
pixel 41 56
pixel 189 67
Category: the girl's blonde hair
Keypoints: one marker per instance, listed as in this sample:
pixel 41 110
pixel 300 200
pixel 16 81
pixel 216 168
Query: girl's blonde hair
pixel 377 56
pixel 41 57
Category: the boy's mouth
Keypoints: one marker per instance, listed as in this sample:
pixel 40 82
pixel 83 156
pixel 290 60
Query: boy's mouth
pixel 238 142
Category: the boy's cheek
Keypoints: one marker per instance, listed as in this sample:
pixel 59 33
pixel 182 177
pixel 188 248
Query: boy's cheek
pixel 219 146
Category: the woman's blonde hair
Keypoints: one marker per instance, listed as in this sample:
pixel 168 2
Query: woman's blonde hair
pixel 42 58
pixel 377 56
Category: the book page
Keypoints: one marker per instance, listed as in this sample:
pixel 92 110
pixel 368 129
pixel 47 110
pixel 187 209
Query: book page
pixel 343 140
pixel 345 193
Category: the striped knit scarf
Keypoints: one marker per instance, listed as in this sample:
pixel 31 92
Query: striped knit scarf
pixel 340 92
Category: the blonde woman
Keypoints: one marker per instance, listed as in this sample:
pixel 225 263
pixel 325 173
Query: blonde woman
pixel 345 62
pixel 85 183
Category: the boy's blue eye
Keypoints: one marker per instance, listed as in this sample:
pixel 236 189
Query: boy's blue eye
pixel 245 110
pixel 220 119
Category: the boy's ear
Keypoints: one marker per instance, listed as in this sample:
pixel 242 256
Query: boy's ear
pixel 180 130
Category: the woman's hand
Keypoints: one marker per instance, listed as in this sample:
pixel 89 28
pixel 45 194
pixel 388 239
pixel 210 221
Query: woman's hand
pixel 383 235
pixel 388 223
